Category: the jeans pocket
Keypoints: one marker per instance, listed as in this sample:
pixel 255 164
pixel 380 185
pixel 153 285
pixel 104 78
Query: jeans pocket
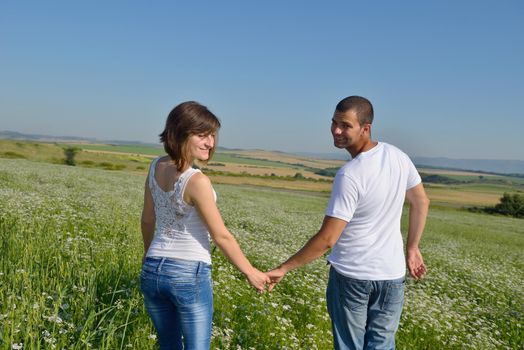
pixel 185 291
pixel 394 297
pixel 354 293
pixel 147 283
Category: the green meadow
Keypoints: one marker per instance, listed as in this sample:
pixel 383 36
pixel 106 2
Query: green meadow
pixel 71 250
pixel 131 149
pixel 118 157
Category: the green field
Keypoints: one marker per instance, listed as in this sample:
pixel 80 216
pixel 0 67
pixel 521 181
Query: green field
pixel 124 155
pixel 71 252
pixel 249 166
pixel 234 158
pixel 220 156
pixel 131 149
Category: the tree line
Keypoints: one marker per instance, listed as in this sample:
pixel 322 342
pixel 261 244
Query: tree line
pixel 509 205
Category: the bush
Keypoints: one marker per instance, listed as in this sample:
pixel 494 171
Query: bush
pixel 331 172
pixel 110 166
pixel 438 179
pixel 105 165
pixel 70 153
pixel 512 205
pixel 13 155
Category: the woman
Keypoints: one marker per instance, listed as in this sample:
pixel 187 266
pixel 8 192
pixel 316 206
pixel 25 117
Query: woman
pixel 179 215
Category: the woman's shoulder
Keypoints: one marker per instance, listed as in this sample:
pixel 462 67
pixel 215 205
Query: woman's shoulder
pixel 197 178
pixel 198 187
pixel 198 183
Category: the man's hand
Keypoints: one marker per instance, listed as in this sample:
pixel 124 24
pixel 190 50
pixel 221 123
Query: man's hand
pixel 275 276
pixel 418 212
pixel 415 263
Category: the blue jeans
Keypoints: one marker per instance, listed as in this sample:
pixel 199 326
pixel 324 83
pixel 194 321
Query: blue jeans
pixel 364 314
pixel 178 296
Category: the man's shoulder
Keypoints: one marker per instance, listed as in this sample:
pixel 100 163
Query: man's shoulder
pixel 393 152
pixel 353 170
pixel 390 148
pixel 346 168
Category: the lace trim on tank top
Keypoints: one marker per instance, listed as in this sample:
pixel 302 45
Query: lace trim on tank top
pixel 170 208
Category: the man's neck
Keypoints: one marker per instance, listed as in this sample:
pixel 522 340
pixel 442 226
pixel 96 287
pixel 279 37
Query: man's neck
pixel 366 146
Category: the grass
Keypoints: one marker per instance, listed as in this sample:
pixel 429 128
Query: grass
pixel 71 252
pixel 238 159
pixel 129 149
pixel 54 153
pixel 255 168
pixel 220 157
pixel 111 158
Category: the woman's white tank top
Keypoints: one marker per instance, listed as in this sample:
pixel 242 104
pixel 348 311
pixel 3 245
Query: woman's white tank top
pixel 179 230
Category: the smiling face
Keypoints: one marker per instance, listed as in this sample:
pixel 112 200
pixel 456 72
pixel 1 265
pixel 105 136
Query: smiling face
pixel 348 133
pixel 190 134
pixel 200 146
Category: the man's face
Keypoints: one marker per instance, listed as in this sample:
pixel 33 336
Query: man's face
pixel 346 130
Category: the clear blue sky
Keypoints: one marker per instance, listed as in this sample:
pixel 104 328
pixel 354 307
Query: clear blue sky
pixel 446 77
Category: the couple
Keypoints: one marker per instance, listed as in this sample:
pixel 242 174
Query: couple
pixel 365 292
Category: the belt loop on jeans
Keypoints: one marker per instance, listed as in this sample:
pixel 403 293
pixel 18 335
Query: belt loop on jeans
pixel 159 267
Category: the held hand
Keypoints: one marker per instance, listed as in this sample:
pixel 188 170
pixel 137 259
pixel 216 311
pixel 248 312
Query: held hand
pixel 415 263
pixel 275 276
pixel 258 280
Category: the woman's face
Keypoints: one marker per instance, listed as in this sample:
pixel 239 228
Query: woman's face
pixel 200 145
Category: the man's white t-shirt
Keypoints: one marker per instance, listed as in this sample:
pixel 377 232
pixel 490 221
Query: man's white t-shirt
pixel 368 193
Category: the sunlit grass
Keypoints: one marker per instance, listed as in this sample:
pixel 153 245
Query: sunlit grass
pixel 71 252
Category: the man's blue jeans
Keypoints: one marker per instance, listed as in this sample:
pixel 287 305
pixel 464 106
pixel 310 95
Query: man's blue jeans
pixel 178 295
pixel 364 314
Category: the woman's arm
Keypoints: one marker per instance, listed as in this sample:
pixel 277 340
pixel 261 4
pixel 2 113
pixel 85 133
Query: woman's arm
pixel 199 193
pixel 147 222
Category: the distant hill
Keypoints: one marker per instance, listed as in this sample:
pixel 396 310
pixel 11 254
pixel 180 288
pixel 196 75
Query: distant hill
pixel 482 165
pixel 342 155
pixel 514 167
pixel 14 135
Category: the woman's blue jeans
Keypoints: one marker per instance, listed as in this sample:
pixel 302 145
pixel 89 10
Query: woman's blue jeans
pixel 364 314
pixel 178 295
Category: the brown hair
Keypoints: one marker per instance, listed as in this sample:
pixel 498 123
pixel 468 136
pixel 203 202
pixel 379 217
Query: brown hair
pixel 362 107
pixel 187 119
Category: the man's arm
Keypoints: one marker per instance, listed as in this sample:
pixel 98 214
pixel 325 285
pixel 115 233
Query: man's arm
pixel 418 211
pixel 317 246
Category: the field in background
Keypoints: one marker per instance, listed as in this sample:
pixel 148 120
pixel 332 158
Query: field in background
pixel 267 169
pixel 133 158
pixel 71 249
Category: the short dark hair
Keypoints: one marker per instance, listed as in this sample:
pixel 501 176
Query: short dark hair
pixel 187 119
pixel 362 107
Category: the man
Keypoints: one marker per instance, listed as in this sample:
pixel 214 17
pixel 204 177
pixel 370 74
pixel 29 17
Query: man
pixel 365 291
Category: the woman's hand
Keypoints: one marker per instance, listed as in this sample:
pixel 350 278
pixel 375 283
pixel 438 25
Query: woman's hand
pixel 258 279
